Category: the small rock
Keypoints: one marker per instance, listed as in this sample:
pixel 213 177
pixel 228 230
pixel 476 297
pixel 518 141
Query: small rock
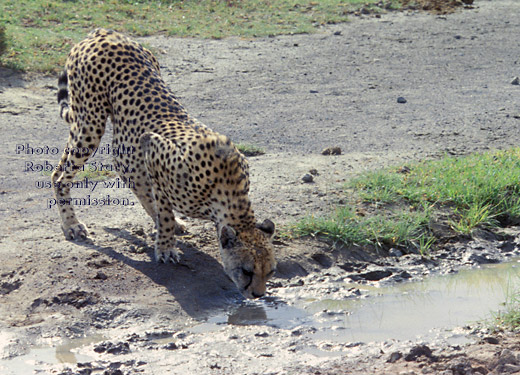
pixel 297 332
pixel 100 276
pixel 307 178
pixel 462 367
pixel 507 246
pixel 113 372
pixel 510 368
pixel 404 170
pixel 171 346
pixel 297 283
pixel 322 259
pixel 375 275
pixel 314 91
pixel 261 334
pixel 314 172
pixel 111 348
pixel 418 351
pixel 515 81
pixel 395 253
pixel 337 33
pixel 394 357
pixel 56 255
pixel 401 100
pixel 479 258
pixel 331 151
pixel 491 340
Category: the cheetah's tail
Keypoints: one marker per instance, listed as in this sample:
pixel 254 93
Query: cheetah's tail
pixel 63 93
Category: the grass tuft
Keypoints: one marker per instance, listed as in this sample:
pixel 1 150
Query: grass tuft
pixel 476 191
pixel 509 316
pixel 3 39
pixel 250 150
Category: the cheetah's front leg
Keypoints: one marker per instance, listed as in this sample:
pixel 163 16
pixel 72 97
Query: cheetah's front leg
pixel 165 243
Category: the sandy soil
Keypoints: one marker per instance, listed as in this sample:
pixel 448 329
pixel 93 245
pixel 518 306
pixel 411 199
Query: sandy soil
pixel 293 96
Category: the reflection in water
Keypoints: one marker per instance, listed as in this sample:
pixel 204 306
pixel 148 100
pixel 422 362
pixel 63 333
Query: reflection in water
pixel 248 315
pixel 41 356
pixel 402 311
pixel 269 311
pixel 64 352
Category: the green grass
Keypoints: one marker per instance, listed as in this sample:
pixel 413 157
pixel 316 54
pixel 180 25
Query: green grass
pixel 399 228
pixel 39 34
pixel 249 149
pixel 476 191
pixel 3 42
pixel 509 317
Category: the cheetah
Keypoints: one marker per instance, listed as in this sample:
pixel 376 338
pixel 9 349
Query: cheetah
pixel 179 164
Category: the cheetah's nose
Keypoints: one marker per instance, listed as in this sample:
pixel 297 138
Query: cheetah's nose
pixel 257 295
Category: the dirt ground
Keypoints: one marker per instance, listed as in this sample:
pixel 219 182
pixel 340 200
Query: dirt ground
pixel 293 96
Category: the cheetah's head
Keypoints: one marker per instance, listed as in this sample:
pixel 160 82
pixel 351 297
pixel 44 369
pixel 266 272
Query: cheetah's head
pixel 248 257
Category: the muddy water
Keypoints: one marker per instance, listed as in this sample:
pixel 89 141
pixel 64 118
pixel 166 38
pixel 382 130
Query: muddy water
pixel 402 311
pixel 63 353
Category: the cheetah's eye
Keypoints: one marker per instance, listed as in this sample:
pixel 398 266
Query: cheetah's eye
pixel 247 272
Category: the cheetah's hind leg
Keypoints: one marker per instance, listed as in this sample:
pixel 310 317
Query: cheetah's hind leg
pixel 83 139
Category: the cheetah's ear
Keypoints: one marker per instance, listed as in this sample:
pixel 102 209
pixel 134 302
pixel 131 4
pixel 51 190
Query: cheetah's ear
pixel 228 237
pixel 267 226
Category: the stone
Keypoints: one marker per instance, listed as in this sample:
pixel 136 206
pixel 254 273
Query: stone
pixel 307 178
pixel 395 253
pixel 394 357
pixel 375 275
pixel 401 100
pixel 171 346
pixel 331 151
pixel 418 351
pixel 491 340
pixel 111 348
pixel 100 276
pixel 515 81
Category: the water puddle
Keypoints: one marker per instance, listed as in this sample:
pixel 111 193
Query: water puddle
pixel 402 311
pixel 38 358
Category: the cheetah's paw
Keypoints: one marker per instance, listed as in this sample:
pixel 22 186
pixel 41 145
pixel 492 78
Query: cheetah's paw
pixel 76 232
pixel 167 255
